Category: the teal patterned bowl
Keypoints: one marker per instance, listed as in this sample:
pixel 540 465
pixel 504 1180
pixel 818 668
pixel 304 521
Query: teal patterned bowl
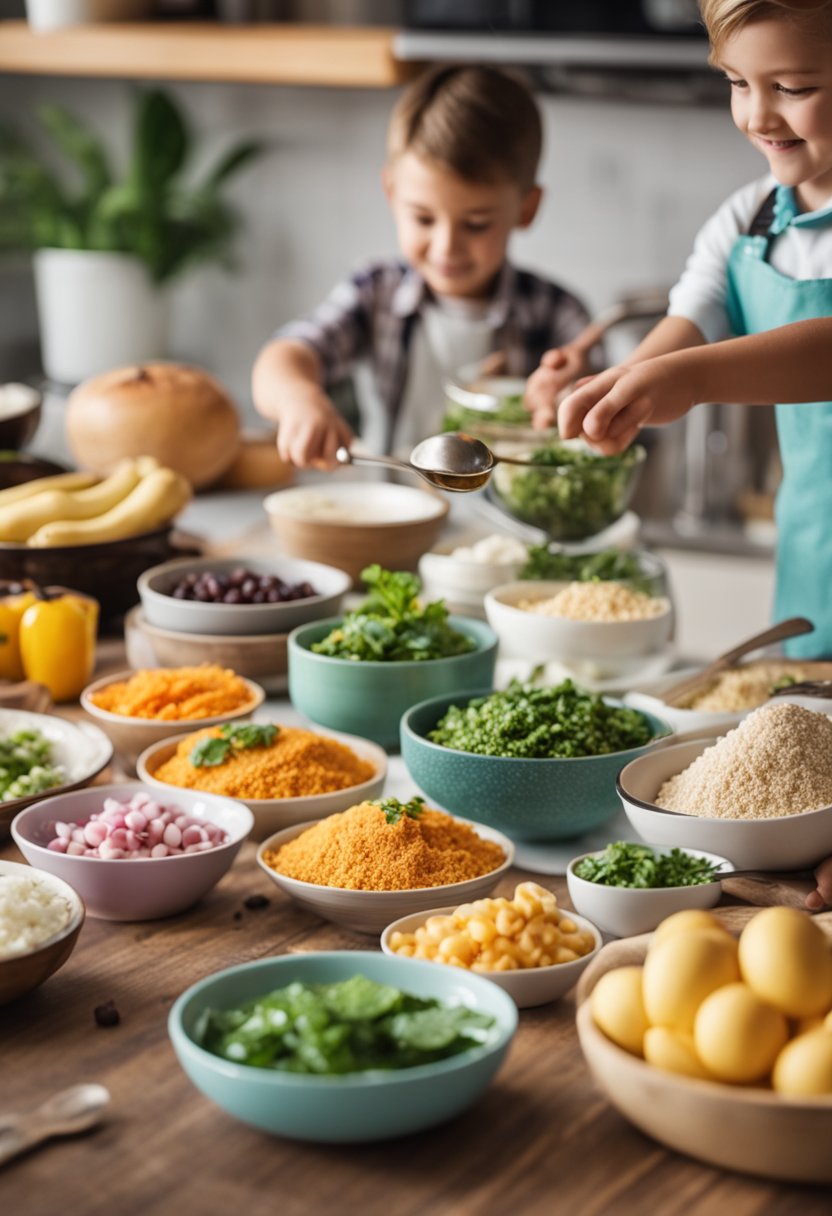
pixel 556 799
pixel 354 1107
pixel 368 699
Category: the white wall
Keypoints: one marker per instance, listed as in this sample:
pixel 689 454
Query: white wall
pixel 627 187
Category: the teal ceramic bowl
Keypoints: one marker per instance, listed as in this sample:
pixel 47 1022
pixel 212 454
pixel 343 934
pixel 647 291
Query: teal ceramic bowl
pixel 556 799
pixel 369 699
pixel 355 1107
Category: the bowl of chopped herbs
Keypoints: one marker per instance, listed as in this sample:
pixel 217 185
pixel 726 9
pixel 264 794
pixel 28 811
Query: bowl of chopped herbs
pixel 535 762
pixel 570 491
pixel 342 1047
pixel 630 887
pixel 360 672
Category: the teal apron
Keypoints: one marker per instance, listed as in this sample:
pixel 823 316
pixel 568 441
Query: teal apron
pixel 760 298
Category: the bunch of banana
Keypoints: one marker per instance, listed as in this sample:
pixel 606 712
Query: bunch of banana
pixel 75 509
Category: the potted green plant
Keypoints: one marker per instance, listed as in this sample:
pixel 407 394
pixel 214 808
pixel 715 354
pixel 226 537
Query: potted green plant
pixel 105 250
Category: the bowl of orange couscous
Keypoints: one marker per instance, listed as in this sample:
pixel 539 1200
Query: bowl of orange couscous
pixel 384 859
pixel 138 708
pixel 284 774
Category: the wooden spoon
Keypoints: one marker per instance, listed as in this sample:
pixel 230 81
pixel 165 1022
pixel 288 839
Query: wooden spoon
pixel 790 628
pixel 64 1114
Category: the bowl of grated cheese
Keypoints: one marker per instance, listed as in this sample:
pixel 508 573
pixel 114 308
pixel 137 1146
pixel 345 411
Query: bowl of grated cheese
pixel 40 919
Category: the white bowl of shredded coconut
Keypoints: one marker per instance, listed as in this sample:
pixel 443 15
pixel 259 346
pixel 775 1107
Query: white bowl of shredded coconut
pixel 607 622
pixel 40 919
pixel 760 794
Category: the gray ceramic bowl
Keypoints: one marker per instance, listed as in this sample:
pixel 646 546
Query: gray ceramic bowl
pixel 369 698
pixel 354 1107
pixel 555 799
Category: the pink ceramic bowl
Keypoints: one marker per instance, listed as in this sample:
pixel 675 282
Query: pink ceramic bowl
pixel 142 888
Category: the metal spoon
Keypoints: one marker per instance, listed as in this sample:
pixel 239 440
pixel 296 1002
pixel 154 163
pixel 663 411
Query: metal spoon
pixel 73 1110
pixel 461 455
pixel 434 476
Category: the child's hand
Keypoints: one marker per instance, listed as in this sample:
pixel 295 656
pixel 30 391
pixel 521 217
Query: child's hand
pixel 558 368
pixel 821 897
pixel 310 429
pixel 610 409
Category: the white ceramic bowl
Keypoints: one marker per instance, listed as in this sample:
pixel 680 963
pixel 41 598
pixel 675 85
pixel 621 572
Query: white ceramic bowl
pixel 792 842
pixel 142 888
pixel 83 750
pixel 650 699
pixel 529 987
pixel 532 635
pixel 191 616
pixel 371 911
pixel 626 911
pixel 130 736
pixel 353 524
pixel 20 973
pixel 273 814
pixel 453 576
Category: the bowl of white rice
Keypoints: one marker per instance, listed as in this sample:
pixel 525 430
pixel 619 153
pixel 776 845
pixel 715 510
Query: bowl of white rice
pixel 40 919
pixel 760 794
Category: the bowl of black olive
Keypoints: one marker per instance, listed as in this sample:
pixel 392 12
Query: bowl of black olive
pixel 241 595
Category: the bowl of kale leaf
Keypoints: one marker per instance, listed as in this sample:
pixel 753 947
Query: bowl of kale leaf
pixel 360 672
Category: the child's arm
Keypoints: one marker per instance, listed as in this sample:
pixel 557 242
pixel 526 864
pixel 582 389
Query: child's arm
pixel 287 389
pixel 790 364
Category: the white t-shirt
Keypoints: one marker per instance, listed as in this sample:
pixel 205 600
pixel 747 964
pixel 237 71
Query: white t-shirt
pixel 802 251
pixel 450 334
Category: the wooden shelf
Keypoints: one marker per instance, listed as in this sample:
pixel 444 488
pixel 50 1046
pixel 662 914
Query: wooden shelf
pixel 335 56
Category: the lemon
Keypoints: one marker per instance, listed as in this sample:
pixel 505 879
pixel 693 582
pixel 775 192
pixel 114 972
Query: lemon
pixel 618 1008
pixel 682 970
pixel 738 1036
pixel 785 958
pixel 673 1051
pixel 685 921
pixel 804 1066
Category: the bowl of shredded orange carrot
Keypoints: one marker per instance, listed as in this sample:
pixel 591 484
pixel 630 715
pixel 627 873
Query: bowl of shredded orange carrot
pixel 382 859
pixel 138 708
pixel 284 774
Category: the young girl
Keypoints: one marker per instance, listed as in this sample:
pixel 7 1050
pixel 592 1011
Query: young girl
pixel 751 318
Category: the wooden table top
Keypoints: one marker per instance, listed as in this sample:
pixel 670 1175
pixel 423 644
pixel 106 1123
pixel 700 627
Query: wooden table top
pixel 542 1138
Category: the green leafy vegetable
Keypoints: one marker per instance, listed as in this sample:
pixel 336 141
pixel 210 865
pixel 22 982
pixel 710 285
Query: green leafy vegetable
pixel 393 809
pixel 392 625
pixel 574 494
pixel 25 765
pixel 606 565
pixel 215 750
pixel 346 1027
pixel 625 864
pixel 510 412
pixel 535 723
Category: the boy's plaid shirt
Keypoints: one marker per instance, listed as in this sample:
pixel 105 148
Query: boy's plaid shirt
pixel 372 314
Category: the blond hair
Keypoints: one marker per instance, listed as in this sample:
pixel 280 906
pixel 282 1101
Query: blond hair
pixel 724 18
pixel 481 123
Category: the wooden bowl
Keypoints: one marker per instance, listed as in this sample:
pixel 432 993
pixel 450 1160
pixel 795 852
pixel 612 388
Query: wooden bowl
pixel 258 657
pixel 752 1130
pixel 20 973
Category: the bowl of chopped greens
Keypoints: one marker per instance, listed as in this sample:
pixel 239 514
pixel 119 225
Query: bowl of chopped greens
pixel 342 1047
pixel 538 763
pixel 571 493
pixel 41 754
pixel 360 672
pixel 630 887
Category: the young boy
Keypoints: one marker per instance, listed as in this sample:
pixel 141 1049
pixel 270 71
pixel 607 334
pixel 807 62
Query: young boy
pixel 462 154
pixel 761 269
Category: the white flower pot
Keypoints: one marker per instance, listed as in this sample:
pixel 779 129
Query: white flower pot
pixel 44 15
pixel 96 311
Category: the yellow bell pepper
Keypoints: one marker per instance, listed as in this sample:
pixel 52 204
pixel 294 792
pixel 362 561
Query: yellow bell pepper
pixel 12 608
pixel 57 643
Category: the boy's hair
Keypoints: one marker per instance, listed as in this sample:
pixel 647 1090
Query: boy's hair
pixel 481 123
pixel 723 18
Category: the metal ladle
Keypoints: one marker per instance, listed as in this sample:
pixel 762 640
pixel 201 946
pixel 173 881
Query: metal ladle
pixel 452 461
pixel 64 1114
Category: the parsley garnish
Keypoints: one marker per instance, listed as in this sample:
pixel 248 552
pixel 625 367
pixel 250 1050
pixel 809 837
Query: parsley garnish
pixel 394 809
pixel 210 752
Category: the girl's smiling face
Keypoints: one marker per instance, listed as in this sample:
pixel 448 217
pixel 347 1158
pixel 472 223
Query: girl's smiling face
pixel 781 99
pixel 452 231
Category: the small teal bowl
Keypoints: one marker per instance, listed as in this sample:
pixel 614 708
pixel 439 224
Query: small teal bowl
pixel 557 799
pixel 357 1107
pixel 369 698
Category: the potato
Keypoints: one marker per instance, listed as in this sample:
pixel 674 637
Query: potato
pixel 785 959
pixel 618 1008
pixel 682 970
pixel 738 1036
pixel 804 1066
